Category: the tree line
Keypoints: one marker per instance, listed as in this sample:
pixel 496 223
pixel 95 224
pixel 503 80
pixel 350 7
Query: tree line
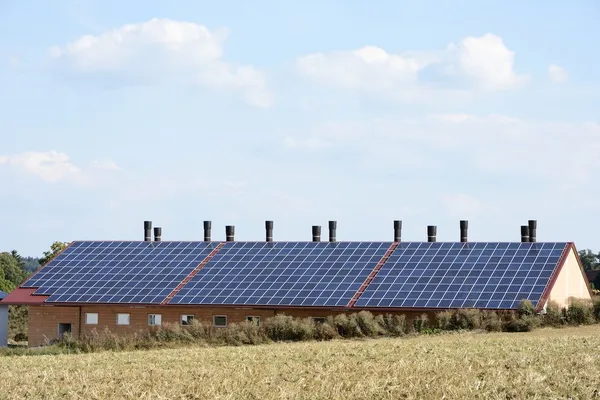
pixel 15 269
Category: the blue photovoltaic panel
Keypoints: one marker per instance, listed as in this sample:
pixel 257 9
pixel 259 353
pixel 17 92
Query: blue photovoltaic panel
pixel 455 275
pixel 118 272
pixel 283 274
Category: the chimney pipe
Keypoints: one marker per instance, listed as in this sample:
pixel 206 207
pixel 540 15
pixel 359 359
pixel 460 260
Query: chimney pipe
pixel 157 234
pixel 207 227
pixel 431 233
pixel 316 233
pixel 269 229
pixel 397 230
pixel 147 231
pixel 524 234
pixel 229 233
pixel 532 230
pixel 332 229
pixel 464 226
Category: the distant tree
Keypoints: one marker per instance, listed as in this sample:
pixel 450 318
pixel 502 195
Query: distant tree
pixel 589 259
pixel 11 270
pixel 31 264
pixel 15 254
pixel 55 249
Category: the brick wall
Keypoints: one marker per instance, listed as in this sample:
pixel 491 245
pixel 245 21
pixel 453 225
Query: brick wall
pixel 44 320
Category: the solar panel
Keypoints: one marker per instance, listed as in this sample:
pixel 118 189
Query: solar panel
pixel 283 274
pixel 463 275
pixel 118 272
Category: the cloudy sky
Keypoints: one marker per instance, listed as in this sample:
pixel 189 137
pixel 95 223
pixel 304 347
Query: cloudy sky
pixel 113 112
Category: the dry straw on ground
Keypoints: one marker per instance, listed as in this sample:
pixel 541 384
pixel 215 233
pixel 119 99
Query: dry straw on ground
pixel 547 363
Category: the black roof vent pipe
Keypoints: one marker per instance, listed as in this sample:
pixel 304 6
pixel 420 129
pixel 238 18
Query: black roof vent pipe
pixel 147 231
pixel 269 230
pixel 431 233
pixel 524 234
pixel 207 227
pixel 332 229
pixel 229 233
pixel 157 234
pixel 397 230
pixel 532 230
pixel 464 227
pixel 316 233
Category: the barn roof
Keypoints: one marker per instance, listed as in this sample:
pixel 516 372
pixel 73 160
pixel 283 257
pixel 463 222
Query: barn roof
pixel 365 275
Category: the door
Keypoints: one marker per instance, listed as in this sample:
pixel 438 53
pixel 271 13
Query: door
pixel 64 328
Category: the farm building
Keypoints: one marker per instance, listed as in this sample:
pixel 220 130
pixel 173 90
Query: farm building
pixel 3 322
pixel 126 286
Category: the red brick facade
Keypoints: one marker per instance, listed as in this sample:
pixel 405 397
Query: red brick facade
pixel 44 320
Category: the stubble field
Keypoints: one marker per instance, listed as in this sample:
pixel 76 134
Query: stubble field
pixel 547 363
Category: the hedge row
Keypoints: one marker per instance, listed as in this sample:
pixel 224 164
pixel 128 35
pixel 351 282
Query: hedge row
pixel 358 325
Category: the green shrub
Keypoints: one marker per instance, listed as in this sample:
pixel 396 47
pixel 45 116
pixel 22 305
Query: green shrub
pixel 368 324
pixel 526 309
pixel 444 320
pixel 198 330
pixel 525 323
pixel 460 319
pixel 237 334
pixel 394 324
pixel 491 321
pixel 326 331
pixel 347 325
pixel 596 309
pixel 421 323
pixel 580 313
pixel 554 316
pixel 286 328
pixel 467 318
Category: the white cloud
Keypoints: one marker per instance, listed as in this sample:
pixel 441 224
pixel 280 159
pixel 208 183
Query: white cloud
pixel 368 66
pixel 164 49
pixel 501 146
pixel 106 164
pixel 485 61
pixel 557 74
pixel 53 167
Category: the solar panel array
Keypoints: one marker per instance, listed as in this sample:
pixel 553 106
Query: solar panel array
pixel 118 272
pixel 283 274
pixel 416 275
pixel 463 275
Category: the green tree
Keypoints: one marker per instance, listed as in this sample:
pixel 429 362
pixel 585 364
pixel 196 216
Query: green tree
pixel 15 254
pixel 589 260
pixel 11 269
pixel 55 249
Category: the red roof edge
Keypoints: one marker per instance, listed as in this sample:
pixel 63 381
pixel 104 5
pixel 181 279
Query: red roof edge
pixel 22 297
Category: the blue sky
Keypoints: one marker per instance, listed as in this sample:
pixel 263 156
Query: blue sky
pixel 430 112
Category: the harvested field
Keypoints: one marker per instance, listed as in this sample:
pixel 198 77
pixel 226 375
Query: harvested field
pixel 546 363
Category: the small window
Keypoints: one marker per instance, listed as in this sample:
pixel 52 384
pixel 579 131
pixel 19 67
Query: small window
pixel 122 319
pixel 186 319
pixel 318 320
pixel 91 318
pixel 253 318
pixel 220 321
pixel 154 319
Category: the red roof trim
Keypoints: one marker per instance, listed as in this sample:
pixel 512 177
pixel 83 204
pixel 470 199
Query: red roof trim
pixel 373 274
pixel 193 273
pixel 24 296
